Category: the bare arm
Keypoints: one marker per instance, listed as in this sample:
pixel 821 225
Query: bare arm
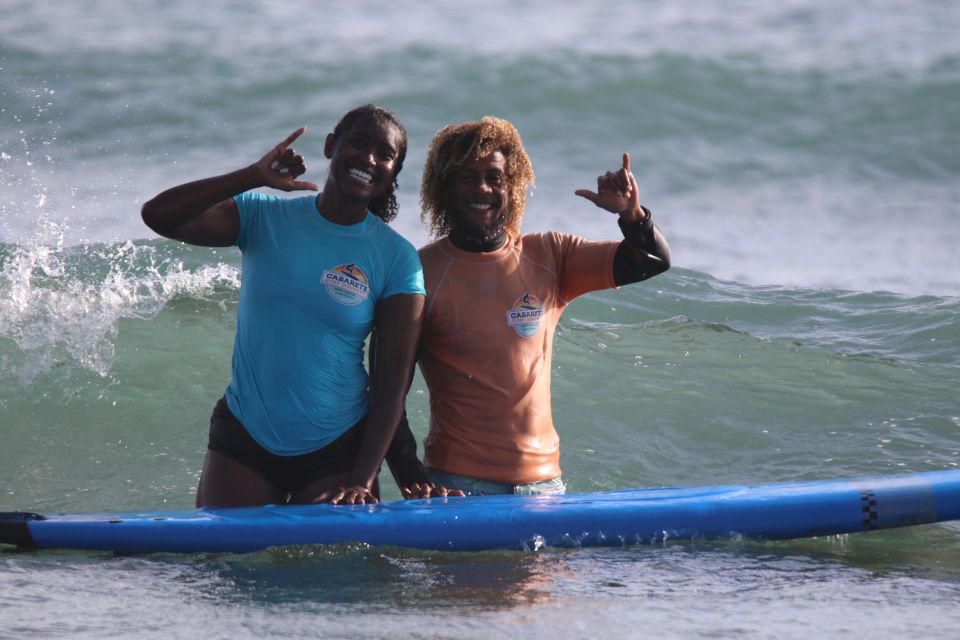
pixel 402 457
pixel 204 212
pixel 411 476
pixel 644 252
pixel 398 324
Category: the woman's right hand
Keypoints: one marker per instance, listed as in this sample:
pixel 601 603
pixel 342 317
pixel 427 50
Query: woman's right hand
pixel 280 167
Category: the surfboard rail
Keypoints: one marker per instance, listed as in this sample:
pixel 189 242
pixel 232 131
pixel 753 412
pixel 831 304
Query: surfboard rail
pixel 773 511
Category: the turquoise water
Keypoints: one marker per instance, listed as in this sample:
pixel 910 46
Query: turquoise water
pixel 802 159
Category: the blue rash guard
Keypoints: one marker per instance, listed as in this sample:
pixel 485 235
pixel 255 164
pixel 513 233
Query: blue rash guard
pixel 307 300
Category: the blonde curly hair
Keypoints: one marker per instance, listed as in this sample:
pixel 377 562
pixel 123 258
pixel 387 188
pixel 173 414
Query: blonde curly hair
pixel 457 143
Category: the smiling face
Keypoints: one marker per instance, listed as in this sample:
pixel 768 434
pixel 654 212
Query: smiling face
pixel 478 197
pixel 475 181
pixel 363 160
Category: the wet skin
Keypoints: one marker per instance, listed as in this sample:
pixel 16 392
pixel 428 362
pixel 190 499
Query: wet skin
pixel 364 162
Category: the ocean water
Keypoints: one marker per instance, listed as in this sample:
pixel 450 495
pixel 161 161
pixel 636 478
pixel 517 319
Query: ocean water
pixel 802 158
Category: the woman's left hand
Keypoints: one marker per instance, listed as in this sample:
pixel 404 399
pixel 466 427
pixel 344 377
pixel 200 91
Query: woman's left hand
pixel 355 494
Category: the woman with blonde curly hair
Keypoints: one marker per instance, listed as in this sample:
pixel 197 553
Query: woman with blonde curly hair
pixel 494 297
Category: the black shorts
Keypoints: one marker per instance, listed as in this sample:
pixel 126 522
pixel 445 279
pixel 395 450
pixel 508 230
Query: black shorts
pixel 288 473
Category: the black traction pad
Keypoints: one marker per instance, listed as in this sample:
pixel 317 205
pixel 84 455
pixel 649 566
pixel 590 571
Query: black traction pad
pixel 14 528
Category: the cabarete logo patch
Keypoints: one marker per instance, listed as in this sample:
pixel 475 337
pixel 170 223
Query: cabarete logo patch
pixel 526 315
pixel 346 284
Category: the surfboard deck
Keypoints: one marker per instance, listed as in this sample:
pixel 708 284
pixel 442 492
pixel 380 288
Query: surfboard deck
pixel 774 511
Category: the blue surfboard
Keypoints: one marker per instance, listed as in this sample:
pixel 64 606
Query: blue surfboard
pixel 774 511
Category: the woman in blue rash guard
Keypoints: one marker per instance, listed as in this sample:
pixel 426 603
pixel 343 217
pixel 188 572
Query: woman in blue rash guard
pixel 300 421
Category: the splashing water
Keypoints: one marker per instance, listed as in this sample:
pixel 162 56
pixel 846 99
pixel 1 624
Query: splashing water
pixel 60 304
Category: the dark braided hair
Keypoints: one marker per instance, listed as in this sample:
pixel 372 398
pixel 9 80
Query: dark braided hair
pixel 383 206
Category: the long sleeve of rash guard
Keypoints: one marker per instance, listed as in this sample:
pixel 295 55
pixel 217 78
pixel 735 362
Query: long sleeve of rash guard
pixel 402 457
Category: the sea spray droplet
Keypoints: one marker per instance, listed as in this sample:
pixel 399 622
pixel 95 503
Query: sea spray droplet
pixel 63 305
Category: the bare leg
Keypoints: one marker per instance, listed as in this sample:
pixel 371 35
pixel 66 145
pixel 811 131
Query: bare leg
pixel 224 482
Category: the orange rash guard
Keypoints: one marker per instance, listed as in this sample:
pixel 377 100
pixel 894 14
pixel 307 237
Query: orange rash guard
pixel 487 347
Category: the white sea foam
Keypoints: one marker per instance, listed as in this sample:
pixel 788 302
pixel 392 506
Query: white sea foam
pixel 61 304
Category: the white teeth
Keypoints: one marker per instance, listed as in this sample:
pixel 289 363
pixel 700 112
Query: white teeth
pixel 361 175
pixel 481 206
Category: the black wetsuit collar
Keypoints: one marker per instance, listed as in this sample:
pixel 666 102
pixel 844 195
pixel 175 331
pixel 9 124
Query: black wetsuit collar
pixel 478 243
